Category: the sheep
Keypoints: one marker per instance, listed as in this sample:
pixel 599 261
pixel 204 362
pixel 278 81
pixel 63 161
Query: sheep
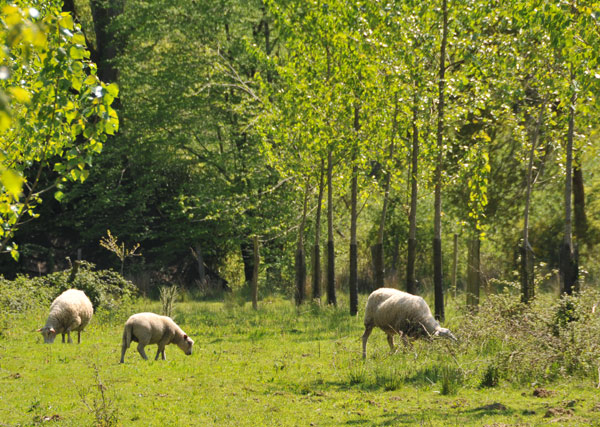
pixel 150 328
pixel 397 312
pixel 70 311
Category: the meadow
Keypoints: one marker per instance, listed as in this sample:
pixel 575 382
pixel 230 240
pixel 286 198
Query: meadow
pixel 284 366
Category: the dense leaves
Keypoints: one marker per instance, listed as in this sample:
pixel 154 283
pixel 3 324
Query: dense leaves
pixel 55 111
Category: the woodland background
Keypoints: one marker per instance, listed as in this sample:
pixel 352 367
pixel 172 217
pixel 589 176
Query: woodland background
pixel 351 140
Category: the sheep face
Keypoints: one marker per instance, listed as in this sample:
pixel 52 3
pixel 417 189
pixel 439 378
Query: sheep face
pixel 186 345
pixel 444 332
pixel 48 333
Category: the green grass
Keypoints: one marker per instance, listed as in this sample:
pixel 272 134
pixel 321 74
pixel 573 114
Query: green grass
pixel 276 366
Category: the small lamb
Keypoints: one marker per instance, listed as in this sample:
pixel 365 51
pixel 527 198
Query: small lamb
pixel 70 311
pixel 397 312
pixel 150 328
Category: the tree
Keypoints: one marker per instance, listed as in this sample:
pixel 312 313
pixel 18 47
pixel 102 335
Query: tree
pixel 58 114
pixel 437 239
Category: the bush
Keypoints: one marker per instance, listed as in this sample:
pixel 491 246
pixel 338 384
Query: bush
pixel 105 288
pixel 541 341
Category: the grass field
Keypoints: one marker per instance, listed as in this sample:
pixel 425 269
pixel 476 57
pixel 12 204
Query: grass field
pixel 275 367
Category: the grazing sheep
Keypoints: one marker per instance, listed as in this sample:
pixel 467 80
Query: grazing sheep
pixel 150 328
pixel 70 311
pixel 397 312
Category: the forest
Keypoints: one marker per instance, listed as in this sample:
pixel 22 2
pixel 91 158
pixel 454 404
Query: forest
pixel 353 141
pixel 279 160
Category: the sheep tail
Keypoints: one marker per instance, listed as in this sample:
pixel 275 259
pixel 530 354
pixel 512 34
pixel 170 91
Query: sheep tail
pixel 127 332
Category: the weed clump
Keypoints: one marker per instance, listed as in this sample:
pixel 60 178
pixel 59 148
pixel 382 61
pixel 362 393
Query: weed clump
pixel 542 341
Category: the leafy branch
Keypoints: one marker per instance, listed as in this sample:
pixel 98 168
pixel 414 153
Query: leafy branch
pixel 111 243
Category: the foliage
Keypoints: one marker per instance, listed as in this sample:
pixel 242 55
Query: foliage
pixel 168 296
pixel 57 113
pixel 111 243
pixel 105 288
pixel 534 343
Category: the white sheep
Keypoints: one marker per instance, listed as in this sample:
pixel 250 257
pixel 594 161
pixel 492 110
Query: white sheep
pixel 70 311
pixel 397 312
pixel 150 328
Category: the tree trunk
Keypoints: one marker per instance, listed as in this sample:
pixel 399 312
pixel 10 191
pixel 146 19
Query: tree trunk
pixel 103 12
pixel 473 276
pixel 568 263
pixel 377 251
pixel 353 221
pixel 411 281
pixel 247 251
pixel 300 254
pixel 256 259
pixel 316 291
pixel 581 225
pixel 527 279
pixel 437 239
pixel 331 298
pixel 200 263
pixel 455 265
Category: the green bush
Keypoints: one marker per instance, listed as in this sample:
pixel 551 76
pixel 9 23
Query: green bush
pixel 106 289
pixel 549 338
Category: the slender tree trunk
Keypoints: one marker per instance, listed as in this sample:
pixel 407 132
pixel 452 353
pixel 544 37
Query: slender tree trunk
pixel 256 259
pixel 331 298
pixel 473 276
pixel 197 252
pixel 568 262
pixel 246 249
pixel 354 219
pixel 411 281
pixel 316 291
pixel 377 251
pixel 527 284
pixel 581 226
pixel 300 266
pixel 455 265
pixel 437 239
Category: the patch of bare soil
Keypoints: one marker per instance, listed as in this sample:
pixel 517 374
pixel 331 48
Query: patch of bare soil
pixel 542 392
pixel 496 406
pixel 558 412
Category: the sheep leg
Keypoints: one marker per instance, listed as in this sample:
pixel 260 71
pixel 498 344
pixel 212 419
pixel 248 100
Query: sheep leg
pixel 78 337
pixel 160 352
pixel 63 338
pixel 140 349
pixel 365 337
pixel 123 350
pixel 390 340
pixel 406 341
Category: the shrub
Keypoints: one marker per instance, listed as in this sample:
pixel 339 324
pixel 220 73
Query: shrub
pixel 105 288
pixel 548 338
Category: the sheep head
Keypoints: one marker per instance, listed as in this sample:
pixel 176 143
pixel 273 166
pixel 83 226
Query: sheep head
pixel 186 344
pixel 48 333
pixel 444 332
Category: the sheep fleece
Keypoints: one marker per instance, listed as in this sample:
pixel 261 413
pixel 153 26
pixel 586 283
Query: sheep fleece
pixel 395 311
pixel 70 311
pixel 151 328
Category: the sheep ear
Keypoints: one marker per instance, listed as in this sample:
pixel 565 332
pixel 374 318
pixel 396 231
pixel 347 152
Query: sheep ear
pixel 39 330
pixel 185 337
pixel 53 330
